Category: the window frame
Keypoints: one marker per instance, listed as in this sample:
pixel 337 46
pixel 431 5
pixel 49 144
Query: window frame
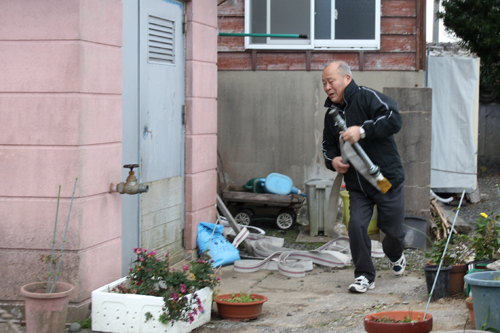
pixel 313 44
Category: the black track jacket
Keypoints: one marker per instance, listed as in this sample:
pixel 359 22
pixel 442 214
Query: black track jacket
pixel 379 116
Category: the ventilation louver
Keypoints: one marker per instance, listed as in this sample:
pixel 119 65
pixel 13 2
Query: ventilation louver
pixel 161 40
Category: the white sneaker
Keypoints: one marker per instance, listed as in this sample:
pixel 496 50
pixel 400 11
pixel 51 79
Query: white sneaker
pixel 398 267
pixel 361 285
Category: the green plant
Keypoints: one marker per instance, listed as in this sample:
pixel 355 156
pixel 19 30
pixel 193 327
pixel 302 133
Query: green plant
pixel 457 253
pixel 85 323
pixel 154 276
pixel 241 298
pixel 386 319
pixel 476 23
pixel 486 239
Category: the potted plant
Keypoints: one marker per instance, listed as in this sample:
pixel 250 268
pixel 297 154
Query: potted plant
pixel 240 306
pixel 155 297
pixel 486 239
pixel 457 256
pixel 398 321
pixel 46 303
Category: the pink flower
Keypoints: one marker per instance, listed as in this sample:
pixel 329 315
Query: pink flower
pixel 157 259
pixel 141 259
pixel 185 267
pixel 191 318
pixel 138 251
pixel 202 261
pixel 174 296
pixel 218 278
pixel 183 288
pixel 144 250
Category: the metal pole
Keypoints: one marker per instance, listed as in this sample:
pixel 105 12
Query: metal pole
pixel 445 248
pixel 234 34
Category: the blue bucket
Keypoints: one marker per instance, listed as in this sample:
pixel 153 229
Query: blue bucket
pixel 485 297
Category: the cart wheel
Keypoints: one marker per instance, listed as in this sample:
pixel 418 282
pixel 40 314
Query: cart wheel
pixel 244 217
pixel 285 219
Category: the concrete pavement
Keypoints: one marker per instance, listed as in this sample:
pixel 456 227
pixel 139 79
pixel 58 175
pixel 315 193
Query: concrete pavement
pixel 320 301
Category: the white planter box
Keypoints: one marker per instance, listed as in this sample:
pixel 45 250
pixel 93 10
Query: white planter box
pixel 126 313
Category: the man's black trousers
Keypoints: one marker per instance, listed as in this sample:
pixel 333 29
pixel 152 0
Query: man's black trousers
pixel 391 213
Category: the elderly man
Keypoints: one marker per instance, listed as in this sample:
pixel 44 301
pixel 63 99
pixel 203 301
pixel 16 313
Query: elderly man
pixel 371 118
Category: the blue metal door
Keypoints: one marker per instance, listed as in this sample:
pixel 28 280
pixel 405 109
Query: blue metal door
pixel 153 132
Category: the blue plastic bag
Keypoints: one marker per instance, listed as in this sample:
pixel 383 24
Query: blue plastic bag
pixel 221 250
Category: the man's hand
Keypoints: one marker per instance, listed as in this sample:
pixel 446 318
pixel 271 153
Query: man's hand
pixel 353 134
pixel 339 166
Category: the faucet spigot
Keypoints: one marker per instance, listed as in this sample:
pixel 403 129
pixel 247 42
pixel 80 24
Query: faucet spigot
pixel 131 186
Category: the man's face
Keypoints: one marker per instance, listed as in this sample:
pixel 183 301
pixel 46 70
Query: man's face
pixel 334 84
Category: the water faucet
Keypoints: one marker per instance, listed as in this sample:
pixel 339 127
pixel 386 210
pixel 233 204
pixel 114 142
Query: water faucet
pixel 131 186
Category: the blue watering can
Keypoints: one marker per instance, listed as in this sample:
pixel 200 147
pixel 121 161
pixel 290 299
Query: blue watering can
pixel 277 183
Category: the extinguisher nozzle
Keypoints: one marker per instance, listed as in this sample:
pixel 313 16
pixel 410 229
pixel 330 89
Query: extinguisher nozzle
pixel 384 185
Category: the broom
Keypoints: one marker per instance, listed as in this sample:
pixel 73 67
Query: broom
pixel 373 169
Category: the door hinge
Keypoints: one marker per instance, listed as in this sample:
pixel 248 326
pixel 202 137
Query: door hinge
pixel 182 238
pixel 184 23
pixel 184 116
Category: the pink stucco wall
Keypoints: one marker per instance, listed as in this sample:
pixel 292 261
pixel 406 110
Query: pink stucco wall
pixel 201 107
pixel 61 111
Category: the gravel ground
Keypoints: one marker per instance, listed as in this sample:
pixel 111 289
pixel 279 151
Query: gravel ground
pixel 490 200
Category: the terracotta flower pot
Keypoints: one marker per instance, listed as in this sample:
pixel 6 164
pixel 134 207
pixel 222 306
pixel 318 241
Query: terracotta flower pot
pixel 457 273
pixel 419 326
pixel 46 313
pixel 239 311
pixel 470 306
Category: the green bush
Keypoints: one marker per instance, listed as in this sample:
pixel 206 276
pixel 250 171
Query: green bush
pixel 477 23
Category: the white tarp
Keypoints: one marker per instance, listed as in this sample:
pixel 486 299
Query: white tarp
pixel 453 153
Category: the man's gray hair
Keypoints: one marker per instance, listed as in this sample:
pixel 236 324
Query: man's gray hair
pixel 344 68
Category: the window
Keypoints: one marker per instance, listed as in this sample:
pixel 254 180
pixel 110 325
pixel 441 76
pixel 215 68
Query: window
pixel 329 24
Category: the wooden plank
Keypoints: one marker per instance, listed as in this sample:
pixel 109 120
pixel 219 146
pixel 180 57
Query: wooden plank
pixel 231 24
pixel 400 8
pixel 234 61
pixel 231 8
pixel 390 61
pixel 231 44
pixel 319 60
pixel 398 25
pixel 398 43
pixel 281 61
pixel 259 198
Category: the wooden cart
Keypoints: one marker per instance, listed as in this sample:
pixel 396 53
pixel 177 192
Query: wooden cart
pixel 246 205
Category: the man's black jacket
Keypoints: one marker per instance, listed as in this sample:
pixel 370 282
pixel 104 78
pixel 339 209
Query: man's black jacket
pixel 379 116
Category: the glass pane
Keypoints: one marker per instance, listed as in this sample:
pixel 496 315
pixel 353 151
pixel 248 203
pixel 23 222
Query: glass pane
pixel 290 17
pixel 258 24
pixel 355 19
pixel 322 19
